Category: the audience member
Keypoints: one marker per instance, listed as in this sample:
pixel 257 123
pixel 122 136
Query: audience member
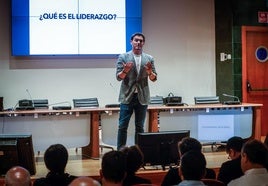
pixel 232 169
pixel 18 176
pixel 253 160
pixel 134 158
pixel 192 168
pixel 113 168
pixel 266 144
pixel 186 144
pixel 266 140
pixel 84 181
pixel 56 158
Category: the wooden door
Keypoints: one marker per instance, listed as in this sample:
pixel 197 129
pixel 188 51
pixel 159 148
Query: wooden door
pixel 255 69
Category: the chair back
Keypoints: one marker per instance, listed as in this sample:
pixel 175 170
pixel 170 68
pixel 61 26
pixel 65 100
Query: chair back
pixel 86 102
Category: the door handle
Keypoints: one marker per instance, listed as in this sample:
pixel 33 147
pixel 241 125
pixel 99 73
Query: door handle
pixel 250 89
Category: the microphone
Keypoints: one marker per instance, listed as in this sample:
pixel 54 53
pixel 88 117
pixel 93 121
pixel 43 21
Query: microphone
pixel 232 102
pixel 30 97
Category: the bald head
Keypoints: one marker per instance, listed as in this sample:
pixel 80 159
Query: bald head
pixel 84 181
pixel 17 176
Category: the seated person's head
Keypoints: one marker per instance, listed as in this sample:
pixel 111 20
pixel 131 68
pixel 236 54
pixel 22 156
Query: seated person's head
pixel 113 167
pixel 56 158
pixel 188 144
pixel 192 165
pixel 234 146
pixel 17 176
pixel 253 155
pixel 134 158
pixel 84 181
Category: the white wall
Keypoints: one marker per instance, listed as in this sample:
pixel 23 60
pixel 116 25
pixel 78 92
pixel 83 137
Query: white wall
pixel 180 34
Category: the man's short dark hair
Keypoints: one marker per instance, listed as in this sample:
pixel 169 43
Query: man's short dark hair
pixel 137 34
pixel 193 165
pixel 234 143
pixel 256 152
pixel 56 157
pixel 134 158
pixel 113 166
pixel 188 144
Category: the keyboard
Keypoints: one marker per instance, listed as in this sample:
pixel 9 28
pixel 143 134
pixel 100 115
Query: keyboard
pixel 25 108
pixel 62 108
pixel 112 105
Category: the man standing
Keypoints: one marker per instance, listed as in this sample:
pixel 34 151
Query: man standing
pixel 134 68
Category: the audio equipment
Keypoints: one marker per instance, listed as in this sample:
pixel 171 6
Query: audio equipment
pixel 25 104
pixel 172 100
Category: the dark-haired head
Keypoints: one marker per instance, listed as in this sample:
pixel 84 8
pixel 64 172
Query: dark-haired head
pixel 188 144
pixel 56 157
pixel 137 34
pixel 113 166
pixel 255 151
pixel 134 158
pixel 193 165
pixel 234 143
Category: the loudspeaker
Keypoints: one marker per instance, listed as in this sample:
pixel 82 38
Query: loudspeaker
pixel 1 104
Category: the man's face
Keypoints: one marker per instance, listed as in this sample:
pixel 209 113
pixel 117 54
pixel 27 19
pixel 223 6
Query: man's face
pixel 137 43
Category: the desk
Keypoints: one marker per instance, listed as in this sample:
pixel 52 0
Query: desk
pixel 42 119
pixel 92 149
pixel 256 111
pixel 154 110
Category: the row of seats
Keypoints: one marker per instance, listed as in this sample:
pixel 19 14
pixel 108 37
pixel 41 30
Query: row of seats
pixel 26 104
pixel 43 104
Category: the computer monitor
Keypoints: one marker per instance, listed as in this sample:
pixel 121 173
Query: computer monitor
pixel 161 148
pixel 16 149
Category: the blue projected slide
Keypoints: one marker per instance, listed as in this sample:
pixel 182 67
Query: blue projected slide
pixel 74 27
